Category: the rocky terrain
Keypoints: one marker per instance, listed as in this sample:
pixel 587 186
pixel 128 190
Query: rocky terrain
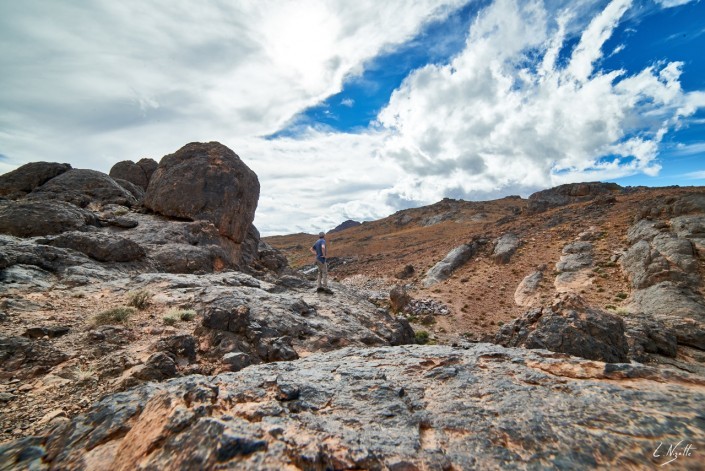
pixel 144 324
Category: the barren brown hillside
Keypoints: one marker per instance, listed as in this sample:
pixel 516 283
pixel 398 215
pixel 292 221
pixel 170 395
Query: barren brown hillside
pixel 480 294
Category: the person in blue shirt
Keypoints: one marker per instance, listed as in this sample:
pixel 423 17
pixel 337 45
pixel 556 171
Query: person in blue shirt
pixel 319 249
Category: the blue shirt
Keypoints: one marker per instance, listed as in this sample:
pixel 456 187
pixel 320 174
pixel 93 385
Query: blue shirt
pixel 318 247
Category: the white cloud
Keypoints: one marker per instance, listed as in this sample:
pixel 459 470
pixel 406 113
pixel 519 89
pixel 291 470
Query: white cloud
pixel 501 116
pixel 673 3
pixel 349 102
pixel 700 175
pixel 515 111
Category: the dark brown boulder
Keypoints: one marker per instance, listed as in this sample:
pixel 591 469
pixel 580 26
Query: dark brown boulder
pixel 136 173
pixel 26 178
pixel 38 218
pixel 571 327
pixel 82 187
pixel 134 190
pixel 206 181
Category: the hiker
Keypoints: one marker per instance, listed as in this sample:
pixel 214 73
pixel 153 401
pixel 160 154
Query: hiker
pixel 319 249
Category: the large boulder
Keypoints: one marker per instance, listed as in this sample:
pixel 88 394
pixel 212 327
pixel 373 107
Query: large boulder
pixel 394 408
pixel 206 181
pixel 504 248
pixel 26 178
pixel 38 218
pixel 83 187
pixel 136 173
pixel 571 327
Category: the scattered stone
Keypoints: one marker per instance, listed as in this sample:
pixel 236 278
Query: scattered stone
pixel 526 294
pixel 406 272
pixel 399 299
pixel 571 193
pixel 158 367
pixel 235 361
pixel 49 331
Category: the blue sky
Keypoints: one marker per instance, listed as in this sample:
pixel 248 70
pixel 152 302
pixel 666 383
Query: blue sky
pixel 354 110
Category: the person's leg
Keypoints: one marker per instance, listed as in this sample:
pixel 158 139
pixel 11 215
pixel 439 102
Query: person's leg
pixel 325 274
pixel 321 267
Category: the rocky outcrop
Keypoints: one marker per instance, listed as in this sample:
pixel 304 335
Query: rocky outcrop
pixel 345 225
pixel 38 218
pixel 82 187
pixel 569 326
pixel 206 181
pixel 568 194
pixel 526 294
pixel 574 267
pixel 455 259
pixel 99 246
pixel 136 173
pixel 663 268
pixel 27 178
pixel 504 247
pixel 411 407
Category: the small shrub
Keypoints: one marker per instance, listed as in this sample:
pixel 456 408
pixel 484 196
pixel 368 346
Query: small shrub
pixel 622 311
pixel 117 315
pixel 500 323
pixel 421 337
pixel 600 289
pixel 611 307
pixel 170 319
pixel 621 295
pixel 187 315
pixel 139 299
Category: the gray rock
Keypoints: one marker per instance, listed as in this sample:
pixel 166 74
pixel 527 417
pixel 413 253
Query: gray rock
pixel 571 327
pixel 678 307
pixel 412 407
pixel 25 179
pixel 158 367
pixel 505 247
pixel 206 181
pixel 455 259
pixel 136 191
pixel 82 187
pixel 38 218
pixel 691 228
pixel 576 256
pixel 526 292
pixel 235 361
pixel 182 258
pixel 181 346
pixel 103 247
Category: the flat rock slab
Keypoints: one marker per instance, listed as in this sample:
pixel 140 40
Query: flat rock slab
pixel 408 407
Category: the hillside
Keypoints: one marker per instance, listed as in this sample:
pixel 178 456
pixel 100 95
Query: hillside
pixel 146 325
pixel 481 293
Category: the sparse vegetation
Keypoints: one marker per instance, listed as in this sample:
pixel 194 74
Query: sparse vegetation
pixel 421 337
pixel 187 315
pixel 170 319
pixel 139 299
pixel 621 295
pixel 611 307
pixel 117 315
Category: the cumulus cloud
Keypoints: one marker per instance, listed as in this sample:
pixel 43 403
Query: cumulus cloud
pixel 506 114
pixel 79 78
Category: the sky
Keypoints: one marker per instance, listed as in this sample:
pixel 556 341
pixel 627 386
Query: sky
pixel 355 110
